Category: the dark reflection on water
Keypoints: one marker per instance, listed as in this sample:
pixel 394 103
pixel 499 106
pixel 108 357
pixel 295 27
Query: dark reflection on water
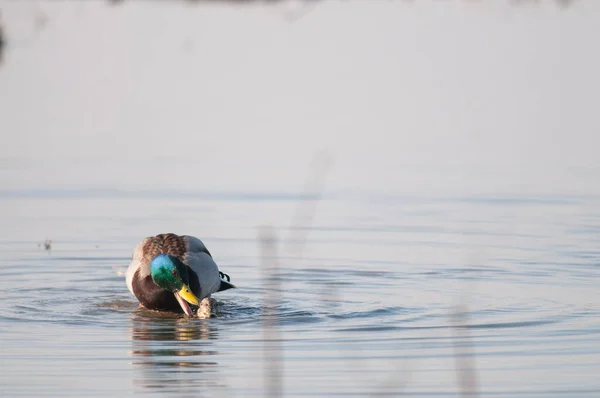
pixel 172 353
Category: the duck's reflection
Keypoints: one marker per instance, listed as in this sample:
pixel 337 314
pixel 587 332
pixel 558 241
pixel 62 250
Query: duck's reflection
pixel 173 354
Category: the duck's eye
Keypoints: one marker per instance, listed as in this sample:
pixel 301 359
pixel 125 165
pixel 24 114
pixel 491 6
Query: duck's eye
pixel 174 273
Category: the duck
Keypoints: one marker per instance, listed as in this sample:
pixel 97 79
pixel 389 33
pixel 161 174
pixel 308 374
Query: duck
pixel 175 273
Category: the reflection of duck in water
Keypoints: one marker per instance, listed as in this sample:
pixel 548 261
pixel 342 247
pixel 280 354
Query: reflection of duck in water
pixel 169 271
pixel 158 336
pixel 173 355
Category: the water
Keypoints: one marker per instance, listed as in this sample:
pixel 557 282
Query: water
pixel 455 246
pixel 367 308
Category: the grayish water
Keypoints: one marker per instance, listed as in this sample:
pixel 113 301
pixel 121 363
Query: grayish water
pixel 455 245
pixel 366 310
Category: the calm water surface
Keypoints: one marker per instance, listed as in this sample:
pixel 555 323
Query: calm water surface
pixel 367 308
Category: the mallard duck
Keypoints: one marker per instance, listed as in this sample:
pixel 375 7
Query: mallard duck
pixel 169 272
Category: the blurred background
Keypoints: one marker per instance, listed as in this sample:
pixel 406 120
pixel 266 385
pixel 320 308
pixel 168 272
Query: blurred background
pixel 492 95
pixel 412 157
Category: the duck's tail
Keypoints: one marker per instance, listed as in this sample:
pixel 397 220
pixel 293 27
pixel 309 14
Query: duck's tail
pixel 225 282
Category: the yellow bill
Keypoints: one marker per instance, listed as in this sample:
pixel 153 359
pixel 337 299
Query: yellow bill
pixel 188 296
pixel 185 296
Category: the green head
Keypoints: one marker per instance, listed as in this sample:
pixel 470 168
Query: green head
pixel 171 274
